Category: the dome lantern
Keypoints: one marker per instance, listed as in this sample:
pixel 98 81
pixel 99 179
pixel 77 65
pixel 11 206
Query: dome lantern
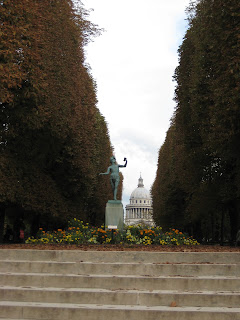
pixel 140 182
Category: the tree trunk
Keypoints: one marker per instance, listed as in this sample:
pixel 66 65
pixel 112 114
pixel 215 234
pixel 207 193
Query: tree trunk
pixel 222 228
pixel 2 220
pixel 233 214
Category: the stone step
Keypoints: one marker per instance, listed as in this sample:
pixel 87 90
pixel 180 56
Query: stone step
pixel 147 269
pixel 185 283
pixel 120 256
pixel 39 267
pixel 121 297
pixel 158 269
pixel 65 284
pixel 59 311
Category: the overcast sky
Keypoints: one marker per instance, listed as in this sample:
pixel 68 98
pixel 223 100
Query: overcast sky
pixel 133 62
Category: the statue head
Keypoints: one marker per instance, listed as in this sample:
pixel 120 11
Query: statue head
pixel 112 159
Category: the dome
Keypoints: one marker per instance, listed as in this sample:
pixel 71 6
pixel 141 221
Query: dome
pixel 140 192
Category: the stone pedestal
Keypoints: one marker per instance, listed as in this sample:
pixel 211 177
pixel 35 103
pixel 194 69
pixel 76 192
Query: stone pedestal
pixel 114 215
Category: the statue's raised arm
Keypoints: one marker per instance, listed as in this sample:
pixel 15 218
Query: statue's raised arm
pixel 123 166
pixel 114 176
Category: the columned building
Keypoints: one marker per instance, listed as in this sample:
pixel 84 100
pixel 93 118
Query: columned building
pixel 139 210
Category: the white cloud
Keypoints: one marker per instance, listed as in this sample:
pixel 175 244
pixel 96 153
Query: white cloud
pixel 133 62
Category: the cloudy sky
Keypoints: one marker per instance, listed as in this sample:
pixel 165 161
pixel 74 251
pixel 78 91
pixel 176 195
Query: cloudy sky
pixel 133 62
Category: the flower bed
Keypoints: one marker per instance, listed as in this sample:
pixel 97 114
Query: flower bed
pixel 80 233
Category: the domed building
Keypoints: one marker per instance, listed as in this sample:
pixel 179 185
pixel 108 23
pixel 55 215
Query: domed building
pixel 139 211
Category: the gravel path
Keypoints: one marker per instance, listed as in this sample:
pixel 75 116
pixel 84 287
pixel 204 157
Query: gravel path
pixel 113 247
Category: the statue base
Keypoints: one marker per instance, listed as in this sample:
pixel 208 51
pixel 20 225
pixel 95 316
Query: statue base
pixel 114 215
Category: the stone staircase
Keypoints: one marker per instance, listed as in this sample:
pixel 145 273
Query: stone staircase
pixel 59 284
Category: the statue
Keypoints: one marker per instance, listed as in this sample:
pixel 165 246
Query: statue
pixel 114 176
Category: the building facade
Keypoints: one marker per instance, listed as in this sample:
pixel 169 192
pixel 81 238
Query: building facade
pixel 139 210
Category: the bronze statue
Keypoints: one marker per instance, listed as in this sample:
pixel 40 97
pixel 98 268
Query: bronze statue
pixel 114 176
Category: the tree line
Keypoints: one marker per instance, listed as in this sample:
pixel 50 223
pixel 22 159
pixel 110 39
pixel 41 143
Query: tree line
pixel 198 176
pixel 53 139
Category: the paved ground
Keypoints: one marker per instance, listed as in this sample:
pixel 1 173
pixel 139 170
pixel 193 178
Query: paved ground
pixel 109 247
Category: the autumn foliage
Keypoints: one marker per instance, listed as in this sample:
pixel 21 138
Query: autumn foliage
pixel 198 176
pixel 54 141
